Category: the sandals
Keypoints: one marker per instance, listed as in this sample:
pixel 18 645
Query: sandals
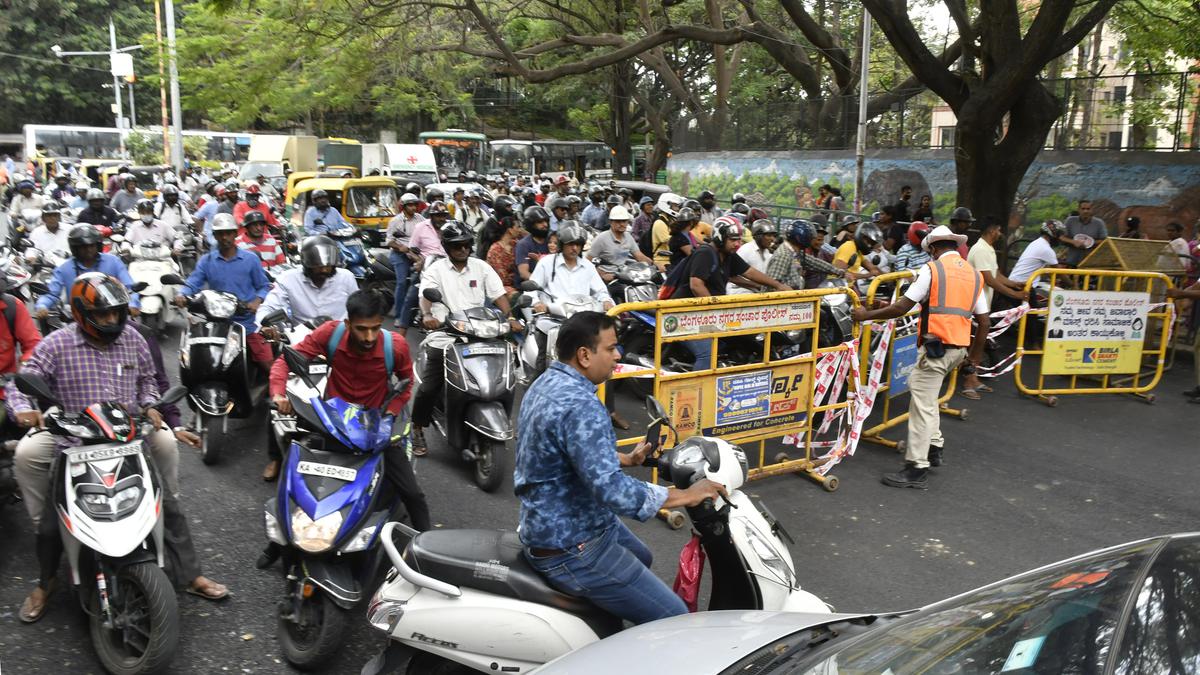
pixel 971 393
pixel 209 590
pixel 31 610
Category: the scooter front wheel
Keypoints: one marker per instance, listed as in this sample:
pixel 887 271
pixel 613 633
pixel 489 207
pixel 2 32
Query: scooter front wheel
pixel 210 450
pixel 312 630
pixel 489 464
pixel 143 605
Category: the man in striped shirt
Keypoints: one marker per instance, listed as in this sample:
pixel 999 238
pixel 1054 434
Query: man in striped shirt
pixel 258 241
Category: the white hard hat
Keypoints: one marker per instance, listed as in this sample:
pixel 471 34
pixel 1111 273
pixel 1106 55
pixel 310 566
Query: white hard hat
pixel 619 212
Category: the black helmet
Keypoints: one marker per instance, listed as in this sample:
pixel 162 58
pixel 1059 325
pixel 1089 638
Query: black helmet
pixel 254 216
pixel 686 215
pixel 596 193
pixel 504 205
pixel 571 232
pixel 414 188
pixel 95 292
pixel 83 235
pixel 612 200
pixel 534 214
pixel 437 208
pixel 318 251
pixel 145 206
pixel 962 213
pixel 455 232
pixel 740 207
pixel 434 195
pixel 317 194
pixel 867 236
pixel 706 194
pixel 95 194
pixel 800 233
pixel 558 203
pixel 761 227
pixel 738 198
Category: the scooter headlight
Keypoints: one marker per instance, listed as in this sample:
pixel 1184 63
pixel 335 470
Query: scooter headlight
pixel 233 348
pixel 219 305
pixel 274 532
pixel 315 536
pixel 360 540
pixel 769 555
pixel 101 505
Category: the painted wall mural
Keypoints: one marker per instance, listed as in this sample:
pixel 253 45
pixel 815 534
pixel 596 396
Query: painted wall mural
pixel 1156 187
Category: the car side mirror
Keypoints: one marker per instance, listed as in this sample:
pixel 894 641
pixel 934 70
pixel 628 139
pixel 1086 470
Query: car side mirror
pixel 33 385
pixel 432 294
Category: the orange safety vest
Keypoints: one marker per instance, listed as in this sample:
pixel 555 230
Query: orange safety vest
pixel 954 286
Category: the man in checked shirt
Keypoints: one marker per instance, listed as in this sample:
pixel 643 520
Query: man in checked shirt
pixel 96 359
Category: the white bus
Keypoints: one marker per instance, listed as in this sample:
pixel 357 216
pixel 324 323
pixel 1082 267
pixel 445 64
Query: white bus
pixel 585 158
pixel 79 142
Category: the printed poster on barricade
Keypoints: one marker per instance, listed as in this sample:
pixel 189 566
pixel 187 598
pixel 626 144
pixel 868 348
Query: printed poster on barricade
pixel 1094 332
pixel 904 359
pixel 741 406
pixel 722 319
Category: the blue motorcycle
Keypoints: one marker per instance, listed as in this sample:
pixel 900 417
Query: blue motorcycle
pixel 325 520
pixel 350 247
pixel 371 266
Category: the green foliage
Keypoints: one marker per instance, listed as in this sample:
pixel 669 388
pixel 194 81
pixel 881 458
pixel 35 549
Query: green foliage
pixel 1041 209
pixel 147 148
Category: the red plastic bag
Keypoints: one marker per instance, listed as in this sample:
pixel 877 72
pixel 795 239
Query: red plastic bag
pixel 691 568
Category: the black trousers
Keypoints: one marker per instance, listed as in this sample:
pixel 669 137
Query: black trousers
pixel 426 394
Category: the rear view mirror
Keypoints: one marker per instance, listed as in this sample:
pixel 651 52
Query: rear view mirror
pixel 171 279
pixel 299 365
pixel 432 294
pixel 654 409
pixel 34 385
pixel 172 395
pixel 139 287
pixel 524 301
pixel 529 285
pixel 278 316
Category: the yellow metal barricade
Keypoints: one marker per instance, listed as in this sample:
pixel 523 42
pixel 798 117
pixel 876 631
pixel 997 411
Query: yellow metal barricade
pixel 901 351
pixel 1099 332
pixel 757 401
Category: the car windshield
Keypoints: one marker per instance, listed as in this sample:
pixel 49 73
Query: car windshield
pixel 252 170
pixel 372 202
pixel 1057 620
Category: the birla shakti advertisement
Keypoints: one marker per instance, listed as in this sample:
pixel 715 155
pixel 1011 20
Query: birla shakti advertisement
pixel 747 405
pixel 1095 332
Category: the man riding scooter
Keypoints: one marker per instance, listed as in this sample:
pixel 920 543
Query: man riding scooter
pixel 84 241
pixel 465 283
pixel 318 289
pixel 238 272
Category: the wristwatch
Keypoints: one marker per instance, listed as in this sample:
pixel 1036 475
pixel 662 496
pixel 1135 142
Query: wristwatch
pixel 180 428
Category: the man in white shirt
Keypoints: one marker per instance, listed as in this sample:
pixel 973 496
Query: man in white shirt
pixel 756 252
pixel 1040 253
pixel 982 257
pixel 318 289
pixel 1180 250
pixel 149 228
pixel 567 273
pixel 464 283
pixel 171 210
pixel 50 236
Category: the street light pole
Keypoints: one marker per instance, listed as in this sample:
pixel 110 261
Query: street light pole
pixel 860 146
pixel 112 50
pixel 132 107
pixel 176 106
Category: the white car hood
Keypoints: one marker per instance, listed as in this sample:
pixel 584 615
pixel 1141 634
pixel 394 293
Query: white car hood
pixel 704 642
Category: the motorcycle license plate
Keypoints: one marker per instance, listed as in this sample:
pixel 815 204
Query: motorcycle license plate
pixel 104 453
pixel 328 471
pixel 480 350
pixel 318 369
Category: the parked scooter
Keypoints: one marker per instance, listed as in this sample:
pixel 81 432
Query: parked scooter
pixel 108 498
pixel 328 512
pixel 480 374
pixel 215 367
pixel 149 262
pixel 519 622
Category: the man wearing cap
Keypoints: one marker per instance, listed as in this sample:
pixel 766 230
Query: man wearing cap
pixel 25 199
pixel 614 246
pixel 961 221
pixel 50 236
pixel 645 217
pixel 950 293
pixel 562 184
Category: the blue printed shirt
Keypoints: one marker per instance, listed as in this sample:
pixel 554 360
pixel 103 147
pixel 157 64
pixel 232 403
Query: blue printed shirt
pixel 330 219
pixel 242 275
pixel 64 277
pixel 567 475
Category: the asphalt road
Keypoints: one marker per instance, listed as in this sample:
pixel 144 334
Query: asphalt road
pixel 1024 485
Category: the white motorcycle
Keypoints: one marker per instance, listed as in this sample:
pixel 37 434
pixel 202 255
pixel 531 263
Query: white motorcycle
pixel 149 261
pixel 469 598
pixel 539 347
pixel 108 503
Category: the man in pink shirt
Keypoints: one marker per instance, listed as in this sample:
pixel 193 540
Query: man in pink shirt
pixel 427 242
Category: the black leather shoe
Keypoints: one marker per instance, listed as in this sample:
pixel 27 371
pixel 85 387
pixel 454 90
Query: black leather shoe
pixel 935 455
pixel 1192 393
pixel 910 477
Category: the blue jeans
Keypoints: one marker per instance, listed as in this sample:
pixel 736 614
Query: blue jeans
pixel 410 304
pixel 402 265
pixel 702 350
pixel 613 571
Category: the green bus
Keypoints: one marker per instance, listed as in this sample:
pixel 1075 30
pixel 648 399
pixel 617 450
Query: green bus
pixel 457 151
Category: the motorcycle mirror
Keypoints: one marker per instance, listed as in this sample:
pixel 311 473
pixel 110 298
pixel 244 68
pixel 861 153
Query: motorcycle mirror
pixel 139 287
pixel 278 316
pixel 33 385
pixel 529 285
pixel 171 279
pixel 657 277
pixel 432 294
pixel 298 364
pixel 116 238
pixel 655 410
pixel 524 301
pixel 172 395
pixel 39 287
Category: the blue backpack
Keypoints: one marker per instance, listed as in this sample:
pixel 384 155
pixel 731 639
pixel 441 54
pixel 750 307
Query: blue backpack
pixel 389 355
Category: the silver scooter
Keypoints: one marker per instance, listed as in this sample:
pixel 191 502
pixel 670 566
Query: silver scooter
pixel 469 597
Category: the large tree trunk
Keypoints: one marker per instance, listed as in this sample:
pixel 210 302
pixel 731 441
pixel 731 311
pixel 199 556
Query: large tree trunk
pixel 1089 103
pixel 989 172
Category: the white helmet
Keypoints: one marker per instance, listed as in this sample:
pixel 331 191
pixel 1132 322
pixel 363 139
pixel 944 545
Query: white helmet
pixel 669 203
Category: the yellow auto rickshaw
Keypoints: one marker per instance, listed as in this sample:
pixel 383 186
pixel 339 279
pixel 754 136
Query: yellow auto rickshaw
pixel 366 203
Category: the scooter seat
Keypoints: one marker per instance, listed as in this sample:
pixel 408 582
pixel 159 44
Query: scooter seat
pixel 492 561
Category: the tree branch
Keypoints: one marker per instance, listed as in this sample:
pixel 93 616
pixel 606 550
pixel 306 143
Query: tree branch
pixel 893 18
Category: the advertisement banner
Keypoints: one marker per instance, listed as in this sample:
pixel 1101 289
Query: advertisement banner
pixel 904 359
pixel 719 320
pixel 741 406
pixel 1094 332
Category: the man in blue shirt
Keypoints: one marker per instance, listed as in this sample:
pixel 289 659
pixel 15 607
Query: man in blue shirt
pixel 321 217
pixel 84 242
pixel 239 272
pixel 595 214
pixel 572 490
pixel 205 214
